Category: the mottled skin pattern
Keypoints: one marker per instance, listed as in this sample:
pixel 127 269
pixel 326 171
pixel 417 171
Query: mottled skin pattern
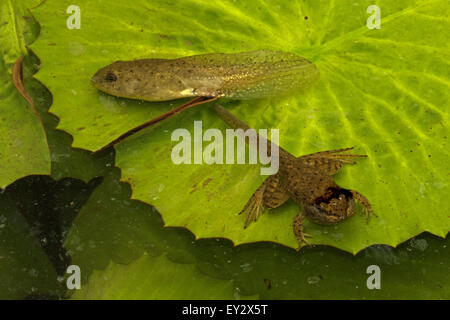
pixel 244 75
pixel 308 181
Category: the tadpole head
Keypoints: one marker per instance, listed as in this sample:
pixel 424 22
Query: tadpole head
pixel 110 79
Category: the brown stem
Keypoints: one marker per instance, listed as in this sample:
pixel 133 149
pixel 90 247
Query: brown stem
pixel 17 77
pixel 168 114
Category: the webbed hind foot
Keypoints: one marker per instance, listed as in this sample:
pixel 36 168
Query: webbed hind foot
pixel 298 231
pixel 254 206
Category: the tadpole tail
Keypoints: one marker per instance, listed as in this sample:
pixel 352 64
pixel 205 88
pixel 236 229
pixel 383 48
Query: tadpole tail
pixel 237 123
pixel 192 103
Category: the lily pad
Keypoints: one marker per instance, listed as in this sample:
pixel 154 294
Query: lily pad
pixel 124 251
pixel 384 91
pixel 23 143
pixel 156 278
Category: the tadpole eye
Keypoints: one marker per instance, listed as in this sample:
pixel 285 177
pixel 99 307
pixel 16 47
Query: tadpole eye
pixel 110 77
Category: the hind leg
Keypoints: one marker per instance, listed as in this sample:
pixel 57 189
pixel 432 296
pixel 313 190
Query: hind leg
pixel 298 230
pixel 269 195
pixel 329 162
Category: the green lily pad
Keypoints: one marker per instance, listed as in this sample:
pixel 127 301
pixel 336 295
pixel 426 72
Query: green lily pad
pixel 384 91
pixel 23 144
pixel 121 247
pixel 66 161
pixel 155 278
